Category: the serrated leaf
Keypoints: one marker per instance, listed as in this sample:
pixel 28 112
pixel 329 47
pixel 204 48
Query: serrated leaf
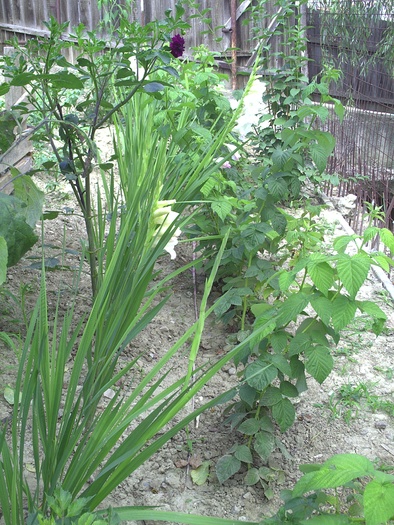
pixel 247 394
pixel 353 271
pixel 243 453
pixel 222 208
pixel 343 312
pixel 249 427
pixel 260 374
pixel 299 344
pixel 208 186
pixel 340 243
pixel 280 157
pixel 292 307
pixel 200 474
pixel 372 309
pixel 264 444
pixel 266 424
pixel 387 238
pixel 319 156
pixel 336 471
pixel 252 477
pixel 370 233
pixel 319 363
pixel 322 276
pixel 281 363
pixel 323 308
pixel 286 279
pixel 376 313
pixel 278 187
pixel 284 414
pixel 226 467
pixel 378 502
pixel 271 396
pixel 279 341
pixel 288 389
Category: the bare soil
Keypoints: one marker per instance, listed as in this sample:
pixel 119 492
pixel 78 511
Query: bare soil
pixel 322 428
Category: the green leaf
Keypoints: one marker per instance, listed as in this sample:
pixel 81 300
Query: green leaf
pixel 286 279
pixel 243 453
pixel 266 424
pixel 66 80
pixel 279 341
pixel 232 297
pixel 353 271
pixel 3 260
pixel 280 157
pixel 343 311
pixel 200 474
pixel 222 208
pixel 292 307
pixel 4 88
pixel 378 502
pixel 322 275
pixel 252 477
pixel 387 238
pixel 9 395
pixel 340 243
pixel 319 363
pixel 299 344
pixel 226 467
pixel 336 471
pixel 247 394
pixel 281 363
pixel 153 87
pixel 284 414
pixel 14 229
pixel 264 444
pixel 278 187
pixel 372 309
pixel 22 79
pixel 249 427
pixel 27 192
pixel 327 519
pixel 271 396
pixel 319 157
pixel 288 389
pixel 376 313
pixel 254 236
pixel 323 308
pixel 260 374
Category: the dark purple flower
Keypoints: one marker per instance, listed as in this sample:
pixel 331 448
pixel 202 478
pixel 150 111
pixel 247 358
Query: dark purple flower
pixel 177 46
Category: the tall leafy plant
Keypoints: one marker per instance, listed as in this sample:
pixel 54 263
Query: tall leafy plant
pixel 69 102
pixel 85 443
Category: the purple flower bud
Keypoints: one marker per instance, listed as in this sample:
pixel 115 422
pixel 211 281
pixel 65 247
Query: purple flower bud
pixel 177 46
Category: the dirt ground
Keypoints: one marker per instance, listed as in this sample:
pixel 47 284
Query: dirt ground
pixel 323 426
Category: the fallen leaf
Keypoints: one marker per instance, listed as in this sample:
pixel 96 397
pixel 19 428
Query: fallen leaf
pixel 200 475
pixel 9 395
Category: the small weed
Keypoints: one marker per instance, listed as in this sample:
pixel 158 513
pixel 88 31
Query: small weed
pixel 387 372
pixel 351 399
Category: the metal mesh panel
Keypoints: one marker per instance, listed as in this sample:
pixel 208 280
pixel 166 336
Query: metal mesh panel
pixel 357 37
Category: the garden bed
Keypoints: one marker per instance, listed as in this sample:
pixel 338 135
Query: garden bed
pixel 349 412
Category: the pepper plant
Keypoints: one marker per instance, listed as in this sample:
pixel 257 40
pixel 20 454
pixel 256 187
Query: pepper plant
pixel 67 103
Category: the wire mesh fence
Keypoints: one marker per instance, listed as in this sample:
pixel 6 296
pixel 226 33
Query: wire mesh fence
pixel 357 37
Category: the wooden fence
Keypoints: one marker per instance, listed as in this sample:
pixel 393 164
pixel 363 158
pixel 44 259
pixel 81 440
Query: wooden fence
pixel 365 141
